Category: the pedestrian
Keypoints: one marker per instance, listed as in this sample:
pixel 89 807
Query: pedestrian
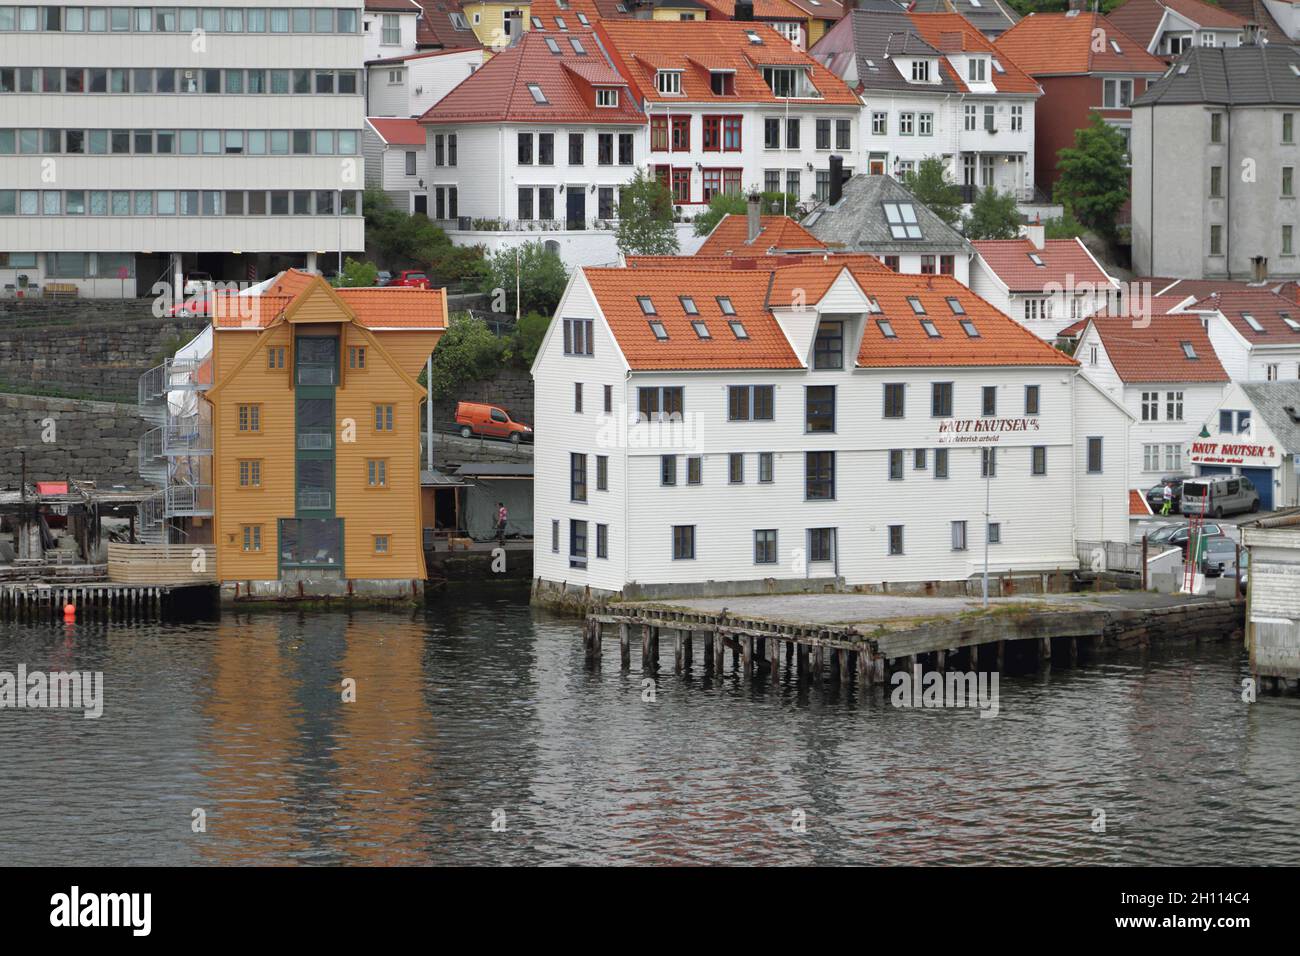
pixel 1168 494
pixel 502 515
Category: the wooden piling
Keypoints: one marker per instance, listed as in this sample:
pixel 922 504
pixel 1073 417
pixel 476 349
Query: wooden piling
pixel 775 666
pixel 747 656
pixel 708 651
pixel 624 650
pixel 678 662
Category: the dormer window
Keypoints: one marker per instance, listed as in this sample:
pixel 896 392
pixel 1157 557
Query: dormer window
pixel 722 82
pixel 783 81
pixel 920 71
pixel 669 82
pixel 977 69
pixel 607 98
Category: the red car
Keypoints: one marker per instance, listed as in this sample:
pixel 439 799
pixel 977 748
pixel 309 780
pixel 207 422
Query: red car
pixel 411 278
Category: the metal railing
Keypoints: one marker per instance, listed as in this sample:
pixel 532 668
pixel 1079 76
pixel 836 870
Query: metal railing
pixel 150 445
pixel 317 374
pixel 315 500
pixel 189 500
pixel 1109 556
pixel 315 441
pixel 193 373
pixel 187 438
pixel 152 384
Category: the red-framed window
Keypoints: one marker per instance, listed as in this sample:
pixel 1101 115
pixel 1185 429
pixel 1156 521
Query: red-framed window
pixel 682 184
pixel 927 265
pixel 659 134
pixel 711 140
pixel 731 181
pixel 721 134
pixel 664 175
pixel 731 134
pixel 681 137
pixel 947 265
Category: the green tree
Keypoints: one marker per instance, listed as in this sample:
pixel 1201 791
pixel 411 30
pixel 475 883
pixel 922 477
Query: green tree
pixel 929 184
pixel 645 223
pixel 467 351
pixel 356 274
pixel 1064 226
pixel 541 279
pixel 993 215
pixel 1094 177
pixel 731 204
pixel 400 240
pixel 528 338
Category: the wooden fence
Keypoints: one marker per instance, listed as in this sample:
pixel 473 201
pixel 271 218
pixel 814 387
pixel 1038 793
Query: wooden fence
pixel 162 563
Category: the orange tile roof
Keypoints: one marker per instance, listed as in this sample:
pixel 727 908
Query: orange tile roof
pixel 755 292
pixel 1269 309
pixel 593 10
pixel 498 91
pixel 1047 44
pixel 1200 288
pixel 951 32
pixel 763 9
pixel 641 47
pixel 1065 262
pixel 375 308
pixel 1160 305
pixel 398 132
pixel 1137 503
pixel 697 262
pixel 776 232
pixel 1154 352
pixel 617 290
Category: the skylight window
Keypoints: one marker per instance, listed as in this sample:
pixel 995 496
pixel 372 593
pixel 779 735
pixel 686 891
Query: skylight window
pixel 538 95
pixel 537 24
pixel 954 303
pixel 458 20
pixel 997 66
pixel 1252 322
pixel 725 305
pixel 754 38
pixel 647 304
pixel 578 48
pixel 1291 323
pixel 701 329
pixel 968 327
pixel 917 305
pixel 621 8
pixel 552 45
pixel 886 328
pixel 1114 45
pixel 688 305
pixel 902 220
pixel 738 329
pixel 1037 260
pixel 559 22
pixel 658 329
pixel 582 18
pixel 930 329
pixel 1189 351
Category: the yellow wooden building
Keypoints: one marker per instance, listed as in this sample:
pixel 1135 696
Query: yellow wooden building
pixel 496 24
pixel 315 409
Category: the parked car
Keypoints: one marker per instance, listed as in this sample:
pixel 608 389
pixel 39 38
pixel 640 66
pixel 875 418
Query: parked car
pixel 411 279
pixel 383 277
pixel 1219 495
pixel 1156 494
pixel 475 418
pixel 1161 534
pixel 1179 538
pixel 1220 558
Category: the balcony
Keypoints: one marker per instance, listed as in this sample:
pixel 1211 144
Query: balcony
pixel 315 500
pixel 189 500
pixel 469 224
pixel 315 441
pixel 318 373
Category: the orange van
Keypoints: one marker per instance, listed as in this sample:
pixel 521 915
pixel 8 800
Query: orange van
pixel 475 418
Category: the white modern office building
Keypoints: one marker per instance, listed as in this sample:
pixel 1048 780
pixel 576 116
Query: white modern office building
pixel 143 144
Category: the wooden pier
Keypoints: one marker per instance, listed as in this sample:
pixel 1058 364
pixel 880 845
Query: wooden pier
pixel 35 602
pixel 1019 642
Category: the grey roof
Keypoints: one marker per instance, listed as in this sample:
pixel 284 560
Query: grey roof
pixel 991 17
pixel 877 36
pixel 1278 403
pixel 908 43
pixel 1229 76
pixel 857 222
pixel 436 478
pixel 487 469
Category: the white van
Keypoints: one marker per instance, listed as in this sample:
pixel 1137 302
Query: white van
pixel 1219 495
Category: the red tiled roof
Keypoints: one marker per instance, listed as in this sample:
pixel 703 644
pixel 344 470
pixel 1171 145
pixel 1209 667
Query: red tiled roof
pixel 1200 288
pixel 593 10
pixel 755 292
pixel 1065 262
pixel 729 236
pixel 822 10
pixel 498 91
pixel 398 132
pixel 763 9
pixel 1154 353
pixel 435 28
pixel 393 6
pixel 640 47
pixel 617 290
pixel 742 261
pixel 951 32
pixel 376 308
pixel 1046 44
pixel 1160 305
pixel 1137 503
pixel 423 54
pixel 1268 309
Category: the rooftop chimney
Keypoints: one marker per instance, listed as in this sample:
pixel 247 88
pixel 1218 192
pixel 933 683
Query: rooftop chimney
pixel 1036 233
pixel 755 220
pixel 1259 268
pixel 837 180
pixel 1077 5
pixel 744 10
pixel 1250 34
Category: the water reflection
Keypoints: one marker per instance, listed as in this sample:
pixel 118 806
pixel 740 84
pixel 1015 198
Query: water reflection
pixel 479 709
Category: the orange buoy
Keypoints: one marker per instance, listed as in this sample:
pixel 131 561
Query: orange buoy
pixel 69 612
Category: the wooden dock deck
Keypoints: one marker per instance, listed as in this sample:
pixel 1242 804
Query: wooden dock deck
pixel 37 601
pixel 1015 638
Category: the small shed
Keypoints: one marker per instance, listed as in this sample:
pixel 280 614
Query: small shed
pixel 1273 596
